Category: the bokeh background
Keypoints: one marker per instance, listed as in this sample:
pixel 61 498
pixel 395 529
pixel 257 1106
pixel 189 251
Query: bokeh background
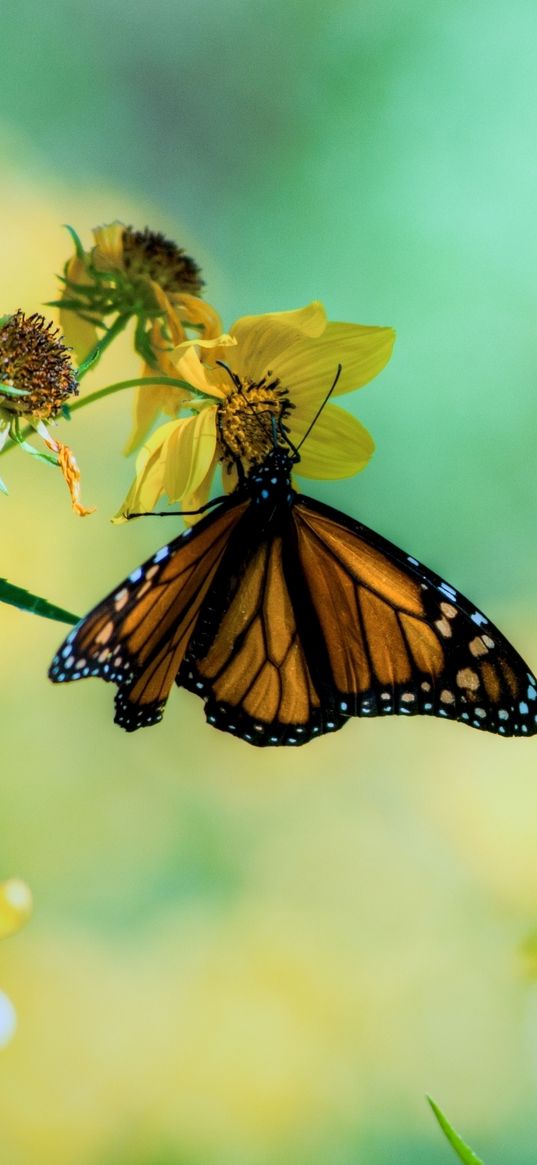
pixel 257 958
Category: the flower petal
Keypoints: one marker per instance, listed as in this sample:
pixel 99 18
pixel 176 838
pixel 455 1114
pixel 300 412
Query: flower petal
pixel 148 403
pixel 262 338
pixel 108 250
pixel 79 334
pixel 307 369
pixel 200 496
pixel 338 445
pixel 177 331
pixel 189 453
pixel 194 310
pixel 71 473
pixel 189 367
pixel 151 399
pixel 148 485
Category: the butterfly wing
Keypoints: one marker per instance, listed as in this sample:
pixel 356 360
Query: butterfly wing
pixel 400 640
pixel 287 618
pixel 249 663
pixel 331 621
pixel 138 635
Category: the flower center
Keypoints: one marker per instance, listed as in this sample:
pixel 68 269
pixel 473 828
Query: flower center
pixel 250 417
pixel 148 253
pixel 33 359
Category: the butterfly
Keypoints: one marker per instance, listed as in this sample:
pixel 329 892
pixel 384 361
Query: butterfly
pixel 288 618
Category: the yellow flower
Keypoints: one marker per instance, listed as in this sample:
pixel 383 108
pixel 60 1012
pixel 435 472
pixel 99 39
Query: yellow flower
pixel 279 368
pixel 15 910
pixel 38 379
pixel 144 275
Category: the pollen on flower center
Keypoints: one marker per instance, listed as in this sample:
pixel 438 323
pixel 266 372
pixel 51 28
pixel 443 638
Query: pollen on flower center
pixel 149 253
pixel 34 360
pixel 244 420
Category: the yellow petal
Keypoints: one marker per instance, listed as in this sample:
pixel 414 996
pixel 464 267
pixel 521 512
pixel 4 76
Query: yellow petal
pixel 148 485
pixel 307 369
pixel 197 311
pixel 200 496
pixel 108 250
pixel 15 906
pixel 188 365
pixel 338 445
pixel 151 399
pixel 189 453
pixel 158 457
pixel 177 331
pixel 147 405
pixel 211 347
pixel 261 339
pixel 79 334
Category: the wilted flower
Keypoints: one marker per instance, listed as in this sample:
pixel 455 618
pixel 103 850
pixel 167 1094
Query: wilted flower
pixel 274 368
pixel 139 274
pixel 37 379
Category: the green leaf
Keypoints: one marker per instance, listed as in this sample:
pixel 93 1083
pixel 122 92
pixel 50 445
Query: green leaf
pixel 142 343
pixel 91 359
pixel 464 1153
pixel 78 245
pixel 34 604
pixel 47 458
pixel 8 390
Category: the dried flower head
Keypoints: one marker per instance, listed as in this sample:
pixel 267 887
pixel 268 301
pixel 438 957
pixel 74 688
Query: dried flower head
pixel 148 254
pixel 36 364
pixel 139 275
pixel 37 379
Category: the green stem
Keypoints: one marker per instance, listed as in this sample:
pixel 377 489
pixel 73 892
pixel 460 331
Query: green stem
pixel 121 384
pixel 95 355
pixel 140 381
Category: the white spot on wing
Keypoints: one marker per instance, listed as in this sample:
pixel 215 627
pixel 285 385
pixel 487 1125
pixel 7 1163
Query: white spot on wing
pixel 163 553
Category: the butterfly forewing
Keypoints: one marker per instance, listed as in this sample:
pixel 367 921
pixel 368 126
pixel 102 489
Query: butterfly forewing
pixel 138 635
pixel 401 640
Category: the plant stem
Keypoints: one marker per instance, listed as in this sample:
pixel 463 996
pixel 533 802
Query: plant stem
pixel 140 381
pixel 121 384
pixel 95 355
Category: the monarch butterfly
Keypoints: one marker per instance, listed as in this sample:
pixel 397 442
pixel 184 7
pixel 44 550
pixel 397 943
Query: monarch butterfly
pixel 288 617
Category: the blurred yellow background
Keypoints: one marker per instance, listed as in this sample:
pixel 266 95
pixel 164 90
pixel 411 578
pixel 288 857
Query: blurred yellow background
pixel 244 957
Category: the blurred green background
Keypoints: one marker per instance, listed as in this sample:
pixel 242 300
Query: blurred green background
pixel 257 958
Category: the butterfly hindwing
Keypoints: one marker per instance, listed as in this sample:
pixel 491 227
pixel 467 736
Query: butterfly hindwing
pixel 254 674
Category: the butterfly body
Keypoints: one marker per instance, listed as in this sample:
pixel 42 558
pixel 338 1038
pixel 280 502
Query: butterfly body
pixel 288 618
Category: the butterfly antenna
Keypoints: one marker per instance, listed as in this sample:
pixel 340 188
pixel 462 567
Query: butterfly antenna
pixel 235 380
pixel 321 406
pixel 277 427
